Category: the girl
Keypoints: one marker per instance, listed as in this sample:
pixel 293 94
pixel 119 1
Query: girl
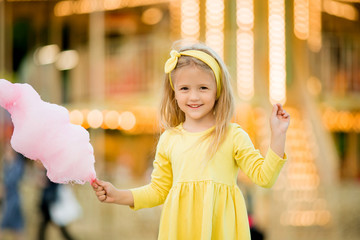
pixel 200 152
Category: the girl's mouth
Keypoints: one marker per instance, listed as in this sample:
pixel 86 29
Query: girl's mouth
pixel 194 105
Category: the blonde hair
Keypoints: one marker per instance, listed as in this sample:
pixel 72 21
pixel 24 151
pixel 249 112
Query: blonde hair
pixel 170 113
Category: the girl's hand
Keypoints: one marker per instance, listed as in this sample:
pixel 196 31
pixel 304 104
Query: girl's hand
pixel 104 191
pixel 279 120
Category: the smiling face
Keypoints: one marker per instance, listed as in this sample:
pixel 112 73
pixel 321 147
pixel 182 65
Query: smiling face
pixel 195 92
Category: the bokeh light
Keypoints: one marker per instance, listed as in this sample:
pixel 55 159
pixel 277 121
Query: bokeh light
pixel 67 60
pixel 95 118
pixel 277 56
pixel 190 19
pixel 214 34
pixel 127 120
pixel 112 119
pixel 152 16
pixel 245 49
pixel 46 54
pixel 76 117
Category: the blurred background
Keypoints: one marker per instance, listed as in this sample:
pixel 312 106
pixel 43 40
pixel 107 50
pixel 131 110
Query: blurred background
pixel 103 60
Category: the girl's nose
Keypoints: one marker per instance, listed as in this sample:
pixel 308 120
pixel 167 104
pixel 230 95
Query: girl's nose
pixel 194 95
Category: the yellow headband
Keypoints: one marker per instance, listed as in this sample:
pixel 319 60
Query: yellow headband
pixel 206 58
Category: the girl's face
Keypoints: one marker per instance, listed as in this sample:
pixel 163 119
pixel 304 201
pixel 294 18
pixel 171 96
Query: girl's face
pixel 195 92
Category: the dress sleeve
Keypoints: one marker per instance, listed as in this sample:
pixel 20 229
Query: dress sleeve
pixel 156 192
pixel 262 171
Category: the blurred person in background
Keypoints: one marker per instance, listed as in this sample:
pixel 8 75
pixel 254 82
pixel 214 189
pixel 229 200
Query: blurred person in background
pixel 49 196
pixel 255 233
pixel 12 215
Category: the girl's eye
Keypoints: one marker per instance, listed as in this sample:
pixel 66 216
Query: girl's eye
pixel 184 88
pixel 203 88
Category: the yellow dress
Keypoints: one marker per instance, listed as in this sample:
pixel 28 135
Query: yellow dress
pixel 200 196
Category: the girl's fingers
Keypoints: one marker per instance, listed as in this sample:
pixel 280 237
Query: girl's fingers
pixel 94 185
pixel 280 109
pixel 279 112
pixel 100 193
pixel 98 182
pixel 98 188
pixel 285 116
pixel 282 112
pixel 102 198
pixel 98 185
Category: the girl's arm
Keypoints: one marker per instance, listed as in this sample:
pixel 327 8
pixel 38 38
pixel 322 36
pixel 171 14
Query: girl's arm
pixel 264 171
pixel 107 193
pixel 279 123
pixel 147 196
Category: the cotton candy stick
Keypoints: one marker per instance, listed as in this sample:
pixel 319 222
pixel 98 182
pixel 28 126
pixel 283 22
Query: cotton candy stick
pixel 42 131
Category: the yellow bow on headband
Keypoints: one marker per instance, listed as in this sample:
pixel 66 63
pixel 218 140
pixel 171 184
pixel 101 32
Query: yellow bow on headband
pixel 206 58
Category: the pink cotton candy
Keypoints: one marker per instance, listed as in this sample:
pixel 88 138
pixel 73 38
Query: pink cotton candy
pixel 42 131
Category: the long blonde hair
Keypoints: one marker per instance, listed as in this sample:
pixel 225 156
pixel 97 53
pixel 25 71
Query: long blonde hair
pixel 170 113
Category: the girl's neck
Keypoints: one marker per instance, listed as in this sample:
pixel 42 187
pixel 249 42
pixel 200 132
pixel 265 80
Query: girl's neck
pixel 194 126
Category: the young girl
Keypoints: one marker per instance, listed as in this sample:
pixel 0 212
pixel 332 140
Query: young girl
pixel 200 152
